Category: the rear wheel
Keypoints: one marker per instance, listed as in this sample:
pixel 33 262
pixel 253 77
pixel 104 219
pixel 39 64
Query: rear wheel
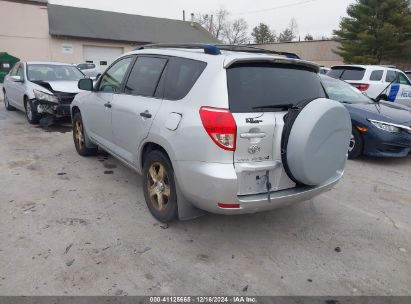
pixel 32 116
pixel 159 187
pixel 7 103
pixel 356 144
pixel 79 137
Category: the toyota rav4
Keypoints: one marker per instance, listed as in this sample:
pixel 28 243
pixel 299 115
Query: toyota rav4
pixel 225 129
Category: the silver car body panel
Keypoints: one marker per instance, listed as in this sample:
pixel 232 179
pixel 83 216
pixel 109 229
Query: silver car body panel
pixel 205 174
pixel 16 91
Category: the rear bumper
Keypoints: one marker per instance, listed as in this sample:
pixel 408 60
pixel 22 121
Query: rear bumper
pixel 205 185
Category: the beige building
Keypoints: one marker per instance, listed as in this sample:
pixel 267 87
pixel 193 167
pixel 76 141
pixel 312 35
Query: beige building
pixel 36 30
pixel 319 51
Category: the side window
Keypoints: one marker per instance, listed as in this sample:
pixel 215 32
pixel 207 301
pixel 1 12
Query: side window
pixel 20 71
pixel 403 79
pixel 13 71
pixel 182 74
pixel 112 79
pixel 391 76
pixel 145 76
pixel 376 75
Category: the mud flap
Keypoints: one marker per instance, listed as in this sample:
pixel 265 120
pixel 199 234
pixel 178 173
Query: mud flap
pixel 186 210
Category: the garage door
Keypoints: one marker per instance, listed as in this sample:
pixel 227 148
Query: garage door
pixel 102 57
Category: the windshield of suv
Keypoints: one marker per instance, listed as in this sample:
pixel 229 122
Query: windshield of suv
pixel 52 72
pixel 341 91
pixel 254 85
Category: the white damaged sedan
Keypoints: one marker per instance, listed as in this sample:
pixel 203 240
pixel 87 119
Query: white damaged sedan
pixel 41 89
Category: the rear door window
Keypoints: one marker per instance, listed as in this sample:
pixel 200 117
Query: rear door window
pixel 391 76
pixel 347 73
pixel 144 76
pixel 182 74
pixel 376 75
pixel 262 84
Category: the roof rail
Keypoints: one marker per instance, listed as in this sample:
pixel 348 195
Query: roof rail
pixel 253 49
pixel 216 49
pixel 208 48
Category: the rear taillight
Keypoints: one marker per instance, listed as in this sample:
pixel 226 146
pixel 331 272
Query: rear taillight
pixel 220 126
pixel 361 86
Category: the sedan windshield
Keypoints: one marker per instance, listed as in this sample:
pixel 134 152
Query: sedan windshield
pixel 52 72
pixel 342 91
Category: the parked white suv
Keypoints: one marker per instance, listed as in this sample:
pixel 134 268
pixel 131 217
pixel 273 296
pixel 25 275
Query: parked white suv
pixel 376 81
pixel 223 129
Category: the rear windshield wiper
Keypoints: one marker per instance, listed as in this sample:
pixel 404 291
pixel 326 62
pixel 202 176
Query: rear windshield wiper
pixel 285 106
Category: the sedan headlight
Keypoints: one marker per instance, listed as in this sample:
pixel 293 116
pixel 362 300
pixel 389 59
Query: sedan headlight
pixel 385 126
pixel 45 97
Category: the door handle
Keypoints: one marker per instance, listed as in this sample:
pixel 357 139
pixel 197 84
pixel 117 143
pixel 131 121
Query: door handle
pixel 252 135
pixel 145 114
pixel 107 105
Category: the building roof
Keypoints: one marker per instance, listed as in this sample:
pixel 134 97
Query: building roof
pixel 104 25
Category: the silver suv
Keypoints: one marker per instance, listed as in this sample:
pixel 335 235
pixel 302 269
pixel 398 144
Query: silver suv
pixel 225 129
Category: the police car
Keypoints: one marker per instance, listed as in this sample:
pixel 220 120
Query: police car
pixel 380 82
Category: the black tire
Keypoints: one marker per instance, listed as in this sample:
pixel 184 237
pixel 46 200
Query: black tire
pixel 356 144
pixel 79 137
pixel 163 187
pixel 7 104
pixel 31 114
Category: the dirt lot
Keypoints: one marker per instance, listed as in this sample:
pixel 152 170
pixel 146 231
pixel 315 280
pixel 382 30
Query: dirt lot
pixel 79 226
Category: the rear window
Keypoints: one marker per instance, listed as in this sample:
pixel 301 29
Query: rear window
pixel 263 84
pixel 376 75
pixel 347 73
pixel 182 74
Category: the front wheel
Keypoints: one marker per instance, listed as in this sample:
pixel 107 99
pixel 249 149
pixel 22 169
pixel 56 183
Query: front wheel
pixel 159 187
pixel 32 116
pixel 79 137
pixel 356 144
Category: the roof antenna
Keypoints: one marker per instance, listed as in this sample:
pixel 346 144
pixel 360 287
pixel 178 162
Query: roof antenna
pixel 184 15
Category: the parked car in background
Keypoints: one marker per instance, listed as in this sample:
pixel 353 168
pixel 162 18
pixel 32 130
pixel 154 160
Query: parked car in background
pixel 324 70
pixel 222 129
pixel 378 128
pixel 89 69
pixel 376 81
pixel 41 89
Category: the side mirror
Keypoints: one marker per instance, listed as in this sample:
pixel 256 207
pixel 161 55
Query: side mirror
pixel 17 78
pixel 85 84
pixel 381 97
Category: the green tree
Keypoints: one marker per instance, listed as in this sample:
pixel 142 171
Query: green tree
pixel 286 35
pixel 263 34
pixel 375 30
pixel 290 33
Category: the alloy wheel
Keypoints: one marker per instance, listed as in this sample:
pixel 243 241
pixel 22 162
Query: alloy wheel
pixel 29 111
pixel 78 134
pixel 158 186
pixel 352 143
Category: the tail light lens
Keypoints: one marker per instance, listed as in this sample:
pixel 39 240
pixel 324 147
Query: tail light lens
pixel 220 126
pixel 228 206
pixel 361 86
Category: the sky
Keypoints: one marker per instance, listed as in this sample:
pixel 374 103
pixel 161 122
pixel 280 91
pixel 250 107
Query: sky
pixel 316 17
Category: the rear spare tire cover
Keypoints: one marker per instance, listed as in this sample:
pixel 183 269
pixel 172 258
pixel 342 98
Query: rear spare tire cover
pixel 317 142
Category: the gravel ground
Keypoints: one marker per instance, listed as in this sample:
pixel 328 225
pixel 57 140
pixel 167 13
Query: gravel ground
pixel 79 226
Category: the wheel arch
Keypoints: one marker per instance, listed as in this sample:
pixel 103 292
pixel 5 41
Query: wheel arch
pixel 151 146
